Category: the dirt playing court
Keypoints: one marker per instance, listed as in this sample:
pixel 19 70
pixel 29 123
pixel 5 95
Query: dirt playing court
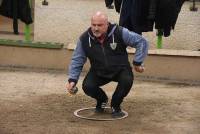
pixel 35 102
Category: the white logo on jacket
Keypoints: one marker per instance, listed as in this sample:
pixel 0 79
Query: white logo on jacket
pixel 113 45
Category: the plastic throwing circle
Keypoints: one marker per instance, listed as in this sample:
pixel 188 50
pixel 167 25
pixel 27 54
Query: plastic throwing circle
pixel 92 109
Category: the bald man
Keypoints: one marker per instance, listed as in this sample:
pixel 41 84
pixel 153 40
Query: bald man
pixel 104 44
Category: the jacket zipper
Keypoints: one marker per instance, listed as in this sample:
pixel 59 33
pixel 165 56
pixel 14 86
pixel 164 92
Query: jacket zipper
pixel 103 50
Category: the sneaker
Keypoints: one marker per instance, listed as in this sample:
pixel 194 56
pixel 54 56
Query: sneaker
pixel 117 112
pixel 100 107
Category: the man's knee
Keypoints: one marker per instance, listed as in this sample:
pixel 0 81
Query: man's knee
pixel 88 87
pixel 127 80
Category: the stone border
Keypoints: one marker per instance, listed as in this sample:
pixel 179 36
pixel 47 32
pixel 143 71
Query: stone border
pixel 21 43
pixel 167 52
pixel 165 65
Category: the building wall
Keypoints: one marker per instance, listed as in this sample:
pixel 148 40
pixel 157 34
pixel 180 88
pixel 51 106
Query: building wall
pixel 64 20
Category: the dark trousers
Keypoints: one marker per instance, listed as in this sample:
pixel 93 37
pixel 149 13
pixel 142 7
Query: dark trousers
pixel 92 82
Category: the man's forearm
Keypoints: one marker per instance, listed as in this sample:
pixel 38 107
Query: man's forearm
pixel 136 41
pixel 77 62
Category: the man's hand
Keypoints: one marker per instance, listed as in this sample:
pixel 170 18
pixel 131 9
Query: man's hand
pixel 69 86
pixel 139 69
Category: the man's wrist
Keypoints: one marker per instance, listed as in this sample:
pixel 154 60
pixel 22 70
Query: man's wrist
pixel 72 80
pixel 135 63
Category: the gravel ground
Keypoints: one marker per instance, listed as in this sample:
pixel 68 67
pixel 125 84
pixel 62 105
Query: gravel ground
pixel 35 102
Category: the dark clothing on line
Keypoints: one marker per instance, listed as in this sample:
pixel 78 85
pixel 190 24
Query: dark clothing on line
pixel 167 14
pixel 19 9
pixel 16 9
pixel 117 4
pixel 108 2
pixel 134 15
pixel 141 15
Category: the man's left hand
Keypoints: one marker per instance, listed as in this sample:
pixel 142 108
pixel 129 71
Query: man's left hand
pixel 139 69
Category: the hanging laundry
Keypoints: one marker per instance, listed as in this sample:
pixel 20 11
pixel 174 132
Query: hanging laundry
pixel 22 8
pixel 16 9
pixel 117 4
pixel 0 2
pixel 135 14
pixel 109 4
pixel 166 15
pixel 141 15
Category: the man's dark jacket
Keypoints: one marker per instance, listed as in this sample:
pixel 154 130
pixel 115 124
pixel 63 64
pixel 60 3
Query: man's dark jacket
pixel 103 58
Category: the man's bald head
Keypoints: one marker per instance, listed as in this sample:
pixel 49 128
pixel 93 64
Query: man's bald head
pixel 100 16
pixel 99 24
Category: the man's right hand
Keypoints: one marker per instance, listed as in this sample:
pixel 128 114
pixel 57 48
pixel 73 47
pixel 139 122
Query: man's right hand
pixel 69 86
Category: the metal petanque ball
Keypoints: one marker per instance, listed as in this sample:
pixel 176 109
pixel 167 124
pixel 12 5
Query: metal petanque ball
pixel 74 90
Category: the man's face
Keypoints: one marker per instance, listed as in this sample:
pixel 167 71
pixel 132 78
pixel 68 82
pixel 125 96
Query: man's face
pixel 99 26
